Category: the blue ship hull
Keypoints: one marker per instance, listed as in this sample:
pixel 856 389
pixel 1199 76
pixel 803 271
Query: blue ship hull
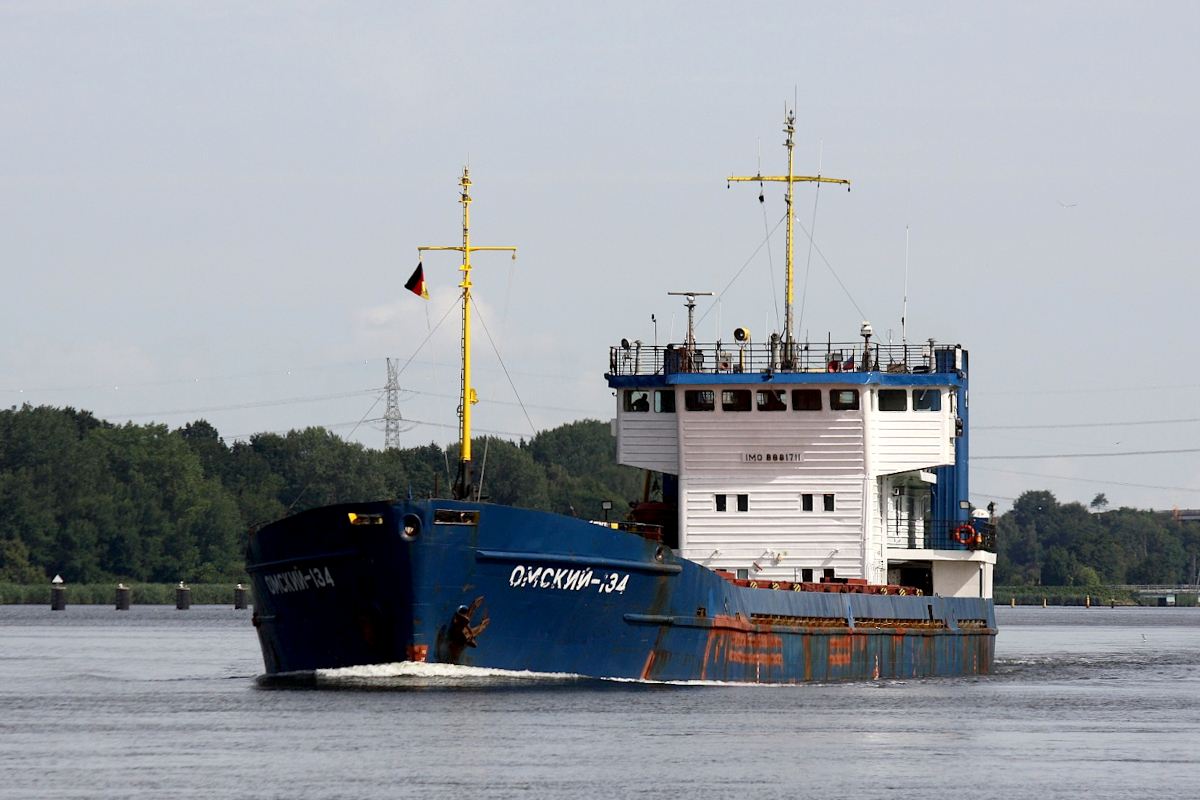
pixel 492 586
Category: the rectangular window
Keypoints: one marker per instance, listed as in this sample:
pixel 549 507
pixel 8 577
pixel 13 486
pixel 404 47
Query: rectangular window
pixel 720 502
pixel 893 400
pixel 771 400
pixel 829 502
pixel 735 400
pixel 698 400
pixel 927 399
pixel 806 575
pixel 806 503
pixel 843 399
pixel 637 400
pixel 743 574
pixel 829 573
pixel 743 502
pixel 806 399
pixel 664 401
pixel 450 516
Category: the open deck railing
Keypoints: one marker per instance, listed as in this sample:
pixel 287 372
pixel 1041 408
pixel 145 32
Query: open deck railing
pixel 638 359
pixel 941 534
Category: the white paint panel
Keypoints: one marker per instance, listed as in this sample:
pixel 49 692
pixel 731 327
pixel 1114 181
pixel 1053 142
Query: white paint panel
pixel 962 579
pixel 904 441
pixel 818 443
pixel 648 440
pixel 774 525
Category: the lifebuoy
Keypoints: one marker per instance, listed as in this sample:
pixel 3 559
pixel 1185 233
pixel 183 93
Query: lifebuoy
pixel 970 537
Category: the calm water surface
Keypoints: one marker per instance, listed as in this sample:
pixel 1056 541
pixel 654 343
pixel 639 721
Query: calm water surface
pixel 155 703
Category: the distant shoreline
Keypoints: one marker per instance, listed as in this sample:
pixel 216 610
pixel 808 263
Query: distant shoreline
pixel 1078 596
pixel 99 594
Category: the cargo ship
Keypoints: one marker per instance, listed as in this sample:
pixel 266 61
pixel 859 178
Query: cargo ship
pixel 810 522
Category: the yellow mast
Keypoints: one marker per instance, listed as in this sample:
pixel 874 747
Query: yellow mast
pixel 789 127
pixel 468 398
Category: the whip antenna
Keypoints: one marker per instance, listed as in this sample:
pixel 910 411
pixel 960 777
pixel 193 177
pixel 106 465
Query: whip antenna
pixel 904 310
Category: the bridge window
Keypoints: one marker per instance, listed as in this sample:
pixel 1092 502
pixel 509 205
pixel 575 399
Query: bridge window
pixel 735 400
pixel 927 399
pixel 806 503
pixel 743 501
pixel 771 400
pixel 637 400
pixel 893 400
pixel 806 399
pixel 720 502
pixel 664 401
pixel 829 502
pixel 698 400
pixel 843 399
pixel 806 575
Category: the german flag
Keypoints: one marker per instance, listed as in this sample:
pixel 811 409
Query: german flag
pixel 416 284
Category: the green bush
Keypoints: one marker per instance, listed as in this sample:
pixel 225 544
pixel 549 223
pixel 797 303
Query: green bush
pixel 1063 595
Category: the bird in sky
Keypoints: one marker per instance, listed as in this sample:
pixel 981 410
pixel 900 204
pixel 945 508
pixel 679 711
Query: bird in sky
pixel 1065 205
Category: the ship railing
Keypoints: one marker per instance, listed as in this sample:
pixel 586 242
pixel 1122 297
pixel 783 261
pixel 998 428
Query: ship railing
pixel 940 534
pixel 634 358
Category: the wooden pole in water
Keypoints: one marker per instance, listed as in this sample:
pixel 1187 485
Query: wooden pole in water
pixel 183 597
pixel 124 597
pixel 58 594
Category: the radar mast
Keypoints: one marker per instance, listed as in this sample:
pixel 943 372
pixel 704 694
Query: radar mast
pixel 789 127
pixel 464 488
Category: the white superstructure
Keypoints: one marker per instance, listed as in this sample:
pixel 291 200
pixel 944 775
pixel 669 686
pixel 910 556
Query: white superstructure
pixel 798 475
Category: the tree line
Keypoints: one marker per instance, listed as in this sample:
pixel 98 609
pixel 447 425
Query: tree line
pixel 1042 541
pixel 95 501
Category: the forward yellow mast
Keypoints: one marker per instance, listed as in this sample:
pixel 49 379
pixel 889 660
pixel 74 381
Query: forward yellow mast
pixel 464 486
pixel 789 127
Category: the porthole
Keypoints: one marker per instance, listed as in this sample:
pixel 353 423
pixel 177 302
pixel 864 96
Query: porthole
pixel 410 527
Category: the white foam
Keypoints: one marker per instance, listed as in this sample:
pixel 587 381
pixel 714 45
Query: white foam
pixel 449 672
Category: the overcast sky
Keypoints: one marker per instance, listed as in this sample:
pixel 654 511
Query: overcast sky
pixel 209 209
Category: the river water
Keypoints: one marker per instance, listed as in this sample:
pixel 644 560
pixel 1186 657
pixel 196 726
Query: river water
pixel 158 703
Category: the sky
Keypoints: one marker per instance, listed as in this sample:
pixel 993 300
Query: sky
pixel 208 210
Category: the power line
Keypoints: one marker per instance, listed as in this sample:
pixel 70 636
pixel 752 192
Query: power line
pixel 244 375
pixel 337 425
pixel 1089 455
pixel 1084 425
pixel 1102 482
pixel 240 406
pixel 1104 390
